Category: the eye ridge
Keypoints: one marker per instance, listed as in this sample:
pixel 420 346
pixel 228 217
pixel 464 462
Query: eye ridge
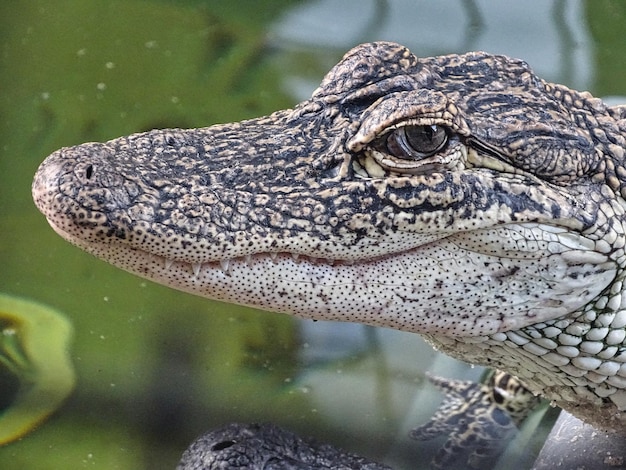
pixel 414 142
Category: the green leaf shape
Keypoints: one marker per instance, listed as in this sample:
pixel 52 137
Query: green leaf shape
pixel 34 347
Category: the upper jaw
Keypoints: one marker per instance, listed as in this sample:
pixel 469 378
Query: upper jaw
pixel 357 221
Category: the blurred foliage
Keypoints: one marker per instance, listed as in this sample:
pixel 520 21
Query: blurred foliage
pixel 607 20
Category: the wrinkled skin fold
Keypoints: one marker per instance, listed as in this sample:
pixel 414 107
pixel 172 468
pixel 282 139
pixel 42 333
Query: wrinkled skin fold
pixel 460 197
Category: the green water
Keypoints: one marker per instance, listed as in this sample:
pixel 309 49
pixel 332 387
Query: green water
pixel 156 367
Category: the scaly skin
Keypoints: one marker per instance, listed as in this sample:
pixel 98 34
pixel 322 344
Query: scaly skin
pixel 477 419
pixel 266 447
pixel 459 197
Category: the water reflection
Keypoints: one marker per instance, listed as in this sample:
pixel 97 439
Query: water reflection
pixel 552 36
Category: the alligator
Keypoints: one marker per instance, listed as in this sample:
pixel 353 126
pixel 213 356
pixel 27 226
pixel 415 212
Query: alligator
pixel 460 197
pixel 477 419
pixel 266 447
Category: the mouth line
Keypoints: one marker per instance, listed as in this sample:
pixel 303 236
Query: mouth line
pixel 225 264
pixel 150 264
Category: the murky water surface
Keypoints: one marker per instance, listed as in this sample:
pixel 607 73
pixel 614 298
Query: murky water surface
pixel 156 367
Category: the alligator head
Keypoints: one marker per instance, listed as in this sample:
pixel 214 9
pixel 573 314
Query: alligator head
pixel 460 197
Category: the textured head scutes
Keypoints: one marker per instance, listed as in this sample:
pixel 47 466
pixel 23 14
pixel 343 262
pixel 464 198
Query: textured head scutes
pixel 610 136
pixel 364 65
pixel 534 128
pixel 481 69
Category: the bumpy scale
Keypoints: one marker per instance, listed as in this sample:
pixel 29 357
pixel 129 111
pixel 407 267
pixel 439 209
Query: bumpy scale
pixel 460 197
pixel 266 447
pixel 478 420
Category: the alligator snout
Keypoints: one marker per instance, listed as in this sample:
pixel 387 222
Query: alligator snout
pixel 72 192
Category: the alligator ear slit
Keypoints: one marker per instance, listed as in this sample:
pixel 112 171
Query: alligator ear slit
pixel 89 172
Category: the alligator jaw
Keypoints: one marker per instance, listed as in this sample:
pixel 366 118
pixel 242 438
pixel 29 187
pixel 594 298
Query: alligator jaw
pixel 419 290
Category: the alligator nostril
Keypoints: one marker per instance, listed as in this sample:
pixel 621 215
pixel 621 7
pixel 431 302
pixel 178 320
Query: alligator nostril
pixel 89 172
pixel 223 445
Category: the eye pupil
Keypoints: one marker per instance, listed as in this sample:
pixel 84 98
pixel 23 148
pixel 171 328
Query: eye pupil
pixel 416 142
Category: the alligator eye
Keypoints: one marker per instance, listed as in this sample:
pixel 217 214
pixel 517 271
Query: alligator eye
pixel 415 142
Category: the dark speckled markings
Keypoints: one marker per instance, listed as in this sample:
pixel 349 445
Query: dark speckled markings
pixel 460 197
pixel 267 447
pixel 478 420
